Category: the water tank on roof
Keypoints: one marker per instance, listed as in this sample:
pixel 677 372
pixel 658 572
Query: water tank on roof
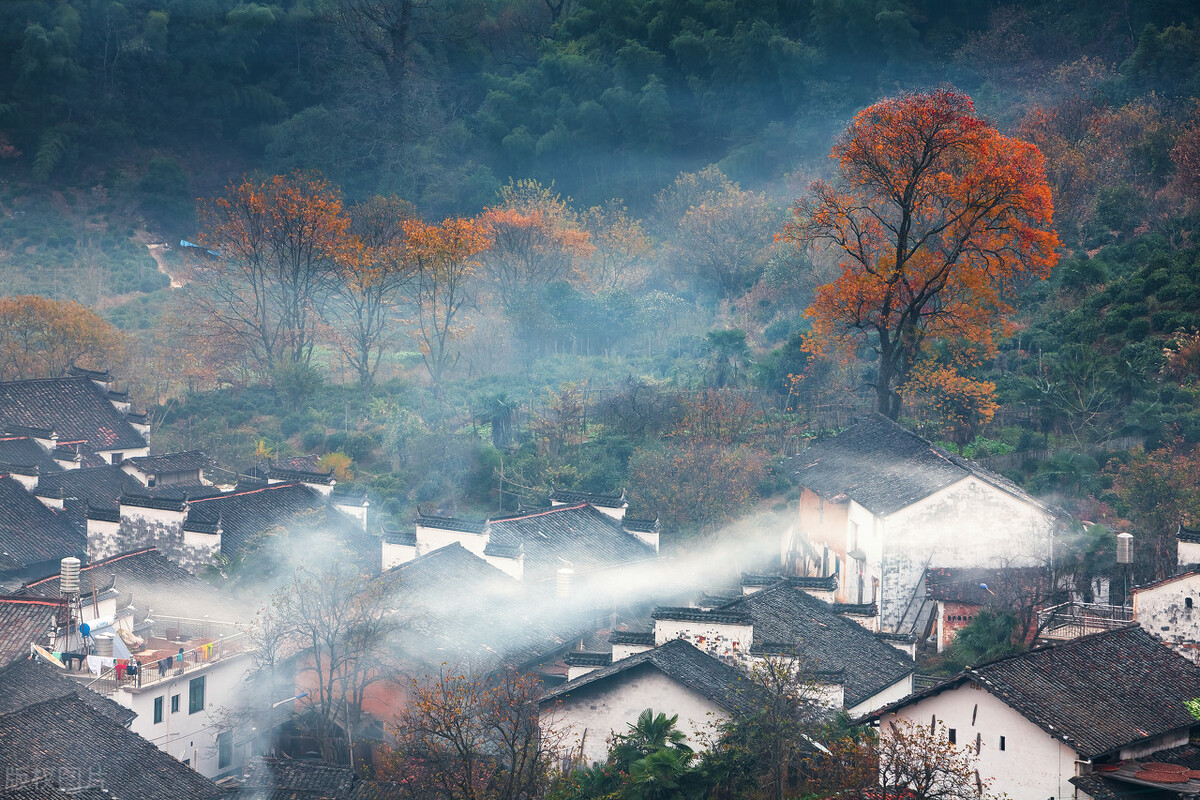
pixel 564 578
pixel 1124 548
pixel 104 645
pixel 69 576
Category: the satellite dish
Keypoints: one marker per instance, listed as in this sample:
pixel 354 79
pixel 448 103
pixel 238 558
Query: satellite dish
pixel 46 654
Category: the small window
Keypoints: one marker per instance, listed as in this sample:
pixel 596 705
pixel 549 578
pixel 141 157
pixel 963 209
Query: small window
pixel 224 749
pixel 196 695
pixel 953 736
pixel 1187 601
pixel 174 703
pixel 158 709
pixel 117 458
pixel 1001 742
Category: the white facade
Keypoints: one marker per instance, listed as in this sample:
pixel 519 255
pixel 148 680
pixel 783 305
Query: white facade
pixel 1022 760
pixel 190 736
pixel 888 695
pixel 591 715
pixel 1170 610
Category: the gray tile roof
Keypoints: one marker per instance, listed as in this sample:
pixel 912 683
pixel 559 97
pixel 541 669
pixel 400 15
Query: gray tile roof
pixel 156 584
pixel 1097 693
pixel 74 408
pixel 884 467
pixel 248 511
pixel 726 686
pixel 464 610
pixel 578 534
pixel 184 461
pixel 67 733
pixel 824 642
pixel 23 620
pixel 25 682
pixel 22 451
pixel 32 535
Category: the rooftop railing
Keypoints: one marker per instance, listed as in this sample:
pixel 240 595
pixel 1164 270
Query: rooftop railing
pixel 1073 619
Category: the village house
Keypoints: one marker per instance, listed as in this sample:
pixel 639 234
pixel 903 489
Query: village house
pixel 76 417
pixel 880 505
pixel 1094 704
pixel 850 667
pixel 1168 609
pixel 587 535
pixel 189 640
pixel 65 747
pixel 195 525
pixel 673 678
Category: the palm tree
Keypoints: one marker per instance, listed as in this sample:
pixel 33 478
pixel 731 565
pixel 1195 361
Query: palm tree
pixel 727 352
pixel 650 734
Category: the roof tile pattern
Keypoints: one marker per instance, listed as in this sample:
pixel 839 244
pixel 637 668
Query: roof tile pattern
pixel 23 620
pixel 32 534
pixel 823 640
pixel 67 733
pixel 586 538
pixel 884 467
pixel 726 686
pixel 1098 693
pixel 74 408
pixel 22 451
pixel 24 683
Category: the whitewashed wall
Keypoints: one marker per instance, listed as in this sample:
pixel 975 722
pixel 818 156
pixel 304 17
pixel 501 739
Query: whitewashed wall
pixel 1033 765
pixel 595 713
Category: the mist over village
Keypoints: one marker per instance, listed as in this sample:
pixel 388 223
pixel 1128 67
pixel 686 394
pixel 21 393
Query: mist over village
pixel 599 400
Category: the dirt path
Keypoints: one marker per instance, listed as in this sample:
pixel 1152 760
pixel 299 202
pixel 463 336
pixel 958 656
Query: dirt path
pixel 157 249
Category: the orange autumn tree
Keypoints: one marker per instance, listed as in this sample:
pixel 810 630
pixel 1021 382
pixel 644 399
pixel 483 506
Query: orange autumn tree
pixel 537 239
pixel 935 218
pixel 277 241
pixel 42 338
pixel 444 258
pixel 370 273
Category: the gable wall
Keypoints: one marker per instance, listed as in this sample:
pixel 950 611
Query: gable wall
pixel 1162 610
pixel 968 524
pixel 1032 766
pixel 593 714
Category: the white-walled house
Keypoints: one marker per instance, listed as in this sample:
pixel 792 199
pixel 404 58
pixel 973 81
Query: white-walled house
pixel 880 505
pixel 1170 610
pixel 1040 718
pixel 158 609
pixel 851 667
pixel 674 678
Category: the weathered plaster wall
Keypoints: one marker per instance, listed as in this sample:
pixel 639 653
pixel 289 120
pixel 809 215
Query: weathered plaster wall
pixel 1032 765
pixel 591 715
pixel 727 642
pixel 969 524
pixel 1164 611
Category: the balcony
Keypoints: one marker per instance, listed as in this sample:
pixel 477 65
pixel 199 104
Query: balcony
pixel 1074 619
pixel 173 647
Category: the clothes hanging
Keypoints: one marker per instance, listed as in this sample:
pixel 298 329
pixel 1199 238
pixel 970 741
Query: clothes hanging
pixel 93 665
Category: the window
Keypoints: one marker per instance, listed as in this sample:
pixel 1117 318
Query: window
pixel 1187 601
pixel 117 458
pixel 174 703
pixel 953 736
pixel 158 709
pixel 224 749
pixel 196 695
pixel 1001 742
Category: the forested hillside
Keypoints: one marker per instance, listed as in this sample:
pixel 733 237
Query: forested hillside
pixel 540 244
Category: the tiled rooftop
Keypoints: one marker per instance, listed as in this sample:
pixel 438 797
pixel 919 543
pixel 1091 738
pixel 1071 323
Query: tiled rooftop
pixel 74 408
